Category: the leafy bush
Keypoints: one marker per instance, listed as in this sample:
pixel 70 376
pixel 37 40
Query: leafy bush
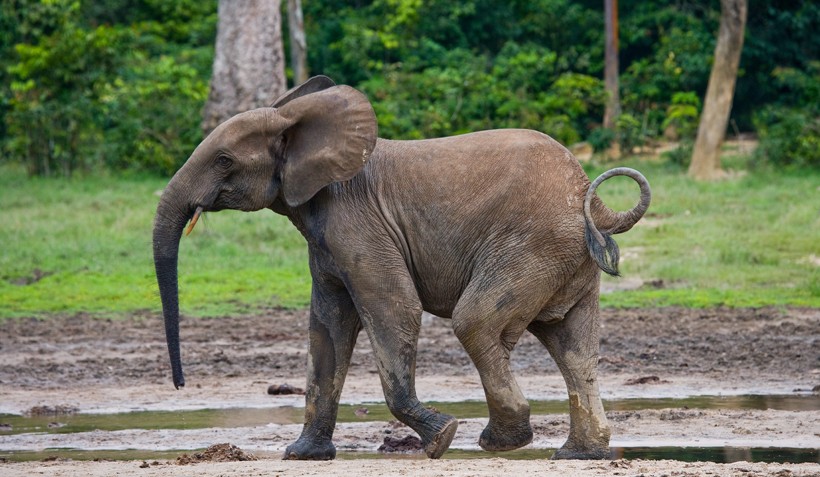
pixel 81 96
pixel 462 92
pixel 53 101
pixel 630 132
pixel 789 134
pixel 682 115
pixel 681 156
pixel 601 138
pixel 788 137
pixel 152 120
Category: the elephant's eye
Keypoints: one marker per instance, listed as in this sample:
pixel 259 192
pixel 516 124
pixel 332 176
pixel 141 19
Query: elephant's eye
pixel 224 161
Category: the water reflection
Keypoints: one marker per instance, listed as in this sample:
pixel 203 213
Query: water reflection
pixel 719 454
pixel 242 417
pixel 685 454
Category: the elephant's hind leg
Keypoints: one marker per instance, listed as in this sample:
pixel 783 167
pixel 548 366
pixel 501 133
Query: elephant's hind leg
pixel 482 323
pixel 391 314
pixel 573 344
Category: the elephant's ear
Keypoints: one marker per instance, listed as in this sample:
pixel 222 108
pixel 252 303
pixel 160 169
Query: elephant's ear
pixel 332 136
pixel 312 85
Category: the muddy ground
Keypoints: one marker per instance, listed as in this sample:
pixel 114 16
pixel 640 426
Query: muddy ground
pixel 98 365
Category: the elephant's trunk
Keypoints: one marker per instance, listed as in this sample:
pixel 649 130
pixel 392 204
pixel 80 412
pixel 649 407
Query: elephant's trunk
pixel 172 214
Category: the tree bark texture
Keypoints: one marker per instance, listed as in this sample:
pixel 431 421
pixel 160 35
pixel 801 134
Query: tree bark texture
pixel 705 163
pixel 298 42
pixel 248 69
pixel 613 104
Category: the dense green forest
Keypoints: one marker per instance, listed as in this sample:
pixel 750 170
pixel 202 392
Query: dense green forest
pixel 120 84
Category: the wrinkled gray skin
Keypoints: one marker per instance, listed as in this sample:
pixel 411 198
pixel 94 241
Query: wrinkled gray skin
pixel 487 229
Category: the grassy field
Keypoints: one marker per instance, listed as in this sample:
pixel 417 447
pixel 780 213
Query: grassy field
pixel 85 245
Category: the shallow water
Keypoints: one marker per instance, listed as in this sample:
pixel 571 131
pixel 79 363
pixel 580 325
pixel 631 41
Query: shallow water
pixel 244 417
pixel 233 418
pixel 684 454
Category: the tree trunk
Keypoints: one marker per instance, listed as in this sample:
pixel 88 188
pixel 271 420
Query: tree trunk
pixel 613 103
pixel 705 163
pixel 249 63
pixel 298 42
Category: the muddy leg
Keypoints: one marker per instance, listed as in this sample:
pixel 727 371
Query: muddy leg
pixel 573 344
pixel 334 326
pixel 391 314
pixel 488 335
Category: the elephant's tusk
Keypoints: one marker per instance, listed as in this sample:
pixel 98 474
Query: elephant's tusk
pixel 193 221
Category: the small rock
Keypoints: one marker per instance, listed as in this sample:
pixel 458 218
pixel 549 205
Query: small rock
pixel 645 380
pixel 284 389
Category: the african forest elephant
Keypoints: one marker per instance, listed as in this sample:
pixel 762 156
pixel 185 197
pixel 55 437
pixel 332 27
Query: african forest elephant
pixel 500 231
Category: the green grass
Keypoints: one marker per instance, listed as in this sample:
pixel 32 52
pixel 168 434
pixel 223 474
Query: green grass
pixel 85 245
pixel 749 241
pixel 90 241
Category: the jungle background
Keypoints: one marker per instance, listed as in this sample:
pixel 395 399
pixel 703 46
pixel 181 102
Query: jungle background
pixel 121 84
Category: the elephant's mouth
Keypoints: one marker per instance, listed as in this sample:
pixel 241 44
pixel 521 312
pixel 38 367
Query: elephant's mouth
pixel 194 219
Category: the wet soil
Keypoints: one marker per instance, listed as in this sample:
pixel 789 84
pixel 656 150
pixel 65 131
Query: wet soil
pixel 94 364
pixel 730 345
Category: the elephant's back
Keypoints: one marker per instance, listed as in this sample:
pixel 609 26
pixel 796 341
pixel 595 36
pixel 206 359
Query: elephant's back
pixel 462 201
pixel 508 168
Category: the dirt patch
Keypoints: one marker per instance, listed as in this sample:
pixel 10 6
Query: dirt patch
pixel 58 410
pixel 71 352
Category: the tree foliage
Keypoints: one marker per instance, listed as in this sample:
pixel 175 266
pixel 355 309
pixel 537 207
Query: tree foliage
pixel 121 83
pixel 94 84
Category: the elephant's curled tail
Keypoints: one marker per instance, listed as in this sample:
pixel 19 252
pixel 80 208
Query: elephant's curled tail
pixel 601 245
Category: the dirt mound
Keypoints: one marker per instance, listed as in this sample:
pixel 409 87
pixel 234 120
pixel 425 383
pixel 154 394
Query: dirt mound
pixel 405 445
pixel 216 453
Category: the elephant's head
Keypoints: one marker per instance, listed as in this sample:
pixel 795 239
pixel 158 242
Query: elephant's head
pixel 315 134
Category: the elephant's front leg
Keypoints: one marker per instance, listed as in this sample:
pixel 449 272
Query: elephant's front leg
pixel 334 326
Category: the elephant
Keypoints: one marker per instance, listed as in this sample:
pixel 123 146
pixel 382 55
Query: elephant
pixel 498 231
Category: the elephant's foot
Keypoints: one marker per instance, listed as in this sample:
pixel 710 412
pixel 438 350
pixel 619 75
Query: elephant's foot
pixel 440 442
pixel 307 449
pixel 496 439
pixel 589 432
pixel 590 453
